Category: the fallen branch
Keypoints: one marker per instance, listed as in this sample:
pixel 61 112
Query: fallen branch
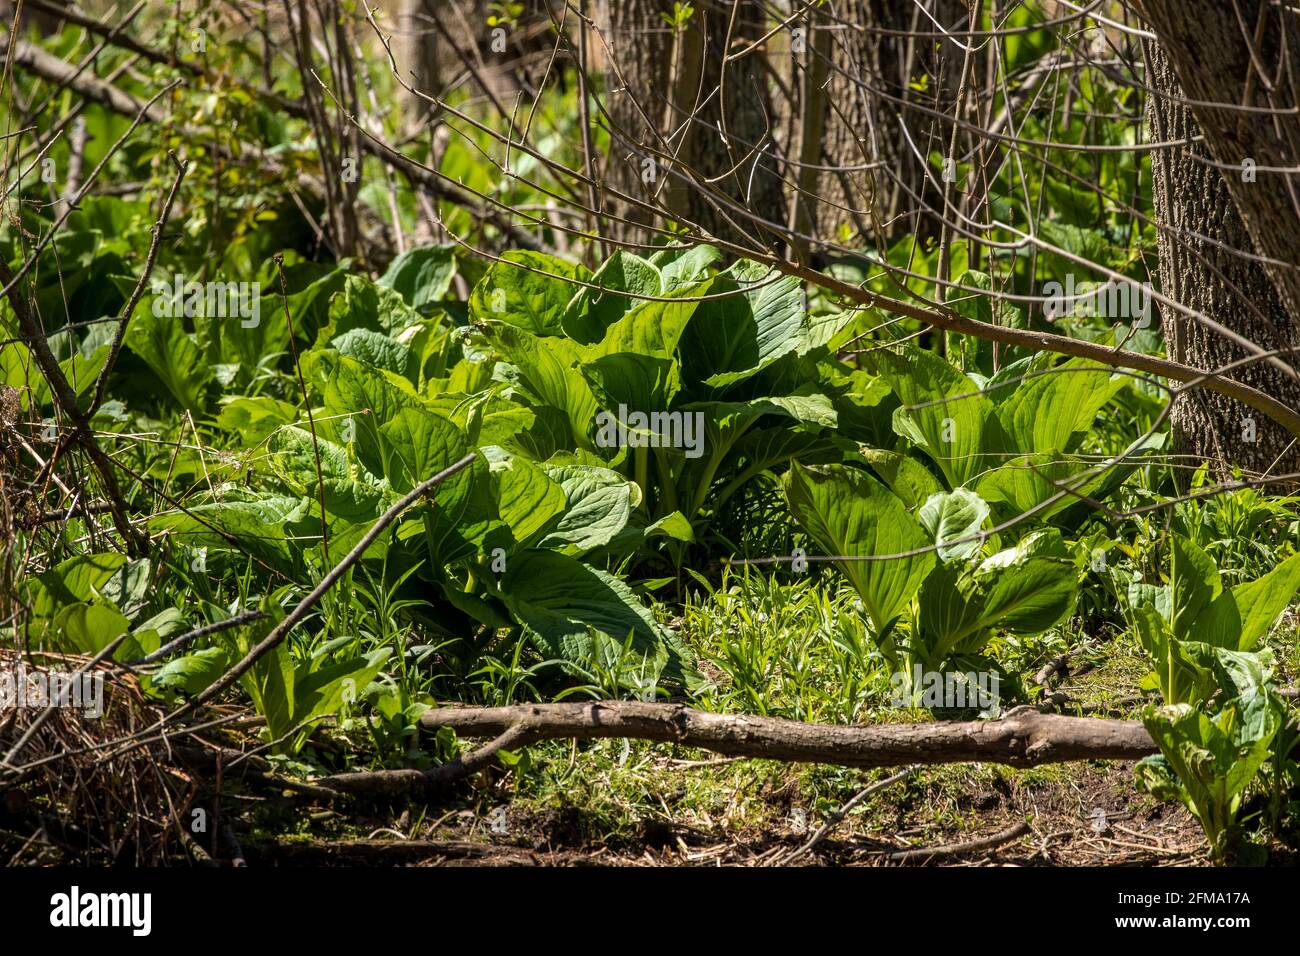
pixel 838 816
pixel 113 34
pixel 1023 738
pixel 52 68
pixel 957 849
pixel 1048 670
pixel 396 783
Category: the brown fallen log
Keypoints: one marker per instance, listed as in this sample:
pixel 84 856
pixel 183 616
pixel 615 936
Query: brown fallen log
pixel 1025 737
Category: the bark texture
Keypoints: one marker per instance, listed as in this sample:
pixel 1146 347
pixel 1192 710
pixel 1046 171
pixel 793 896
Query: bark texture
pixel 1245 53
pixel 867 142
pixel 420 52
pixel 1024 737
pixel 1202 212
pixel 706 123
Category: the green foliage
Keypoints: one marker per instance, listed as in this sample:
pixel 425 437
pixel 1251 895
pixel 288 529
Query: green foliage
pixel 890 558
pixel 1183 623
pixel 1023 590
pixel 851 515
pixel 669 335
pixel 1209 760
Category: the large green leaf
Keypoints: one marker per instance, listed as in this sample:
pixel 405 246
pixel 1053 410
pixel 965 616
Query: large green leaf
pixel 1023 485
pixel 417 445
pixel 349 490
pixel 643 383
pixel 361 304
pixel 1030 587
pixel 258 522
pixel 527 499
pixel 254 419
pixel 593 310
pixel 374 348
pixel 1261 601
pixel 1050 408
pixel 957 517
pixel 78 579
pixel 1022 590
pixel 847 512
pixel 1194 584
pixel 261 338
pixel 193 673
pixel 545 371
pixel 359 400
pixel 734 337
pixel 738 416
pixel 905 476
pixel 653 327
pixel 942 412
pixel 680 266
pixel 327 684
pixel 560 601
pixel 527 290
pixel 422 275
pixel 89 628
pixel 599 504
pixel 171 353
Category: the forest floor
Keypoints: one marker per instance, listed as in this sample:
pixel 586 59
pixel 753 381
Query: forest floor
pixel 1080 815
pixel 634 803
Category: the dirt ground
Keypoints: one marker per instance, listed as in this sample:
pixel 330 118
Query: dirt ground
pixel 1094 817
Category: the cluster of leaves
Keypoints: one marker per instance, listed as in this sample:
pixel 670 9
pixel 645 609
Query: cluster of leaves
pixel 1221 719
pixel 947 483
pixel 919 527
pixel 955 503
pixel 398 395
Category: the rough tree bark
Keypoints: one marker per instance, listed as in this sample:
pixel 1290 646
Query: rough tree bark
pixel 1203 55
pixel 852 129
pixel 671 92
pixel 1024 737
pixel 419 55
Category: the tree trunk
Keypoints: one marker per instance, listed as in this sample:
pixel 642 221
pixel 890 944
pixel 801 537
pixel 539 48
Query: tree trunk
pixel 1206 235
pixel 43 22
pixel 870 176
pixel 419 55
pixel 684 124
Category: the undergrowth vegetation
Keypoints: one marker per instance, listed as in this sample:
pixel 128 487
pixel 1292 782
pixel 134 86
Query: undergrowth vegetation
pixel 674 473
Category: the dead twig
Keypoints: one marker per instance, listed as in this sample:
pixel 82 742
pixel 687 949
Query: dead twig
pixel 176 644
pixel 958 849
pixel 838 816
